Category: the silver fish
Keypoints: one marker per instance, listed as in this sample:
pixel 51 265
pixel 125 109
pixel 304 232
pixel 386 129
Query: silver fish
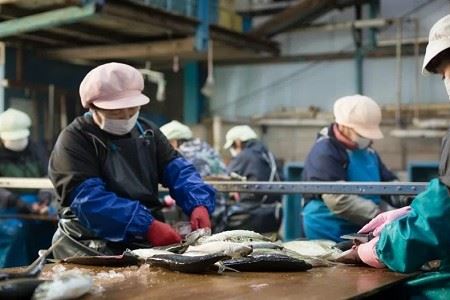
pixel 68 285
pixel 320 248
pixel 237 236
pixel 149 252
pixel 226 248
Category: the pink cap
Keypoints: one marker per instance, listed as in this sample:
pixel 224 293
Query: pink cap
pixel 113 86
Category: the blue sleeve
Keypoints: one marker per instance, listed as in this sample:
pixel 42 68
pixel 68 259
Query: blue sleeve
pixel 420 236
pixel 325 163
pixel 187 187
pixel 109 216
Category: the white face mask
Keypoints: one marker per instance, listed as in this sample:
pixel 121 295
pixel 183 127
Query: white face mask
pixel 362 143
pixel 119 126
pixel 233 152
pixel 447 85
pixel 16 145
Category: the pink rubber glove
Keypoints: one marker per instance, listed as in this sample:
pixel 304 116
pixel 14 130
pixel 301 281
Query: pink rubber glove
pixel 377 224
pixel 368 255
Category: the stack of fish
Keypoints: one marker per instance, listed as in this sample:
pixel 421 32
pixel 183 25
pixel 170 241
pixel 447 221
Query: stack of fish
pixel 239 250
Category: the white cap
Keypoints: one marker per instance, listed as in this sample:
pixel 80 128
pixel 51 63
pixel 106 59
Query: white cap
pixel 438 41
pixel 242 133
pixel 14 124
pixel 360 113
pixel 176 131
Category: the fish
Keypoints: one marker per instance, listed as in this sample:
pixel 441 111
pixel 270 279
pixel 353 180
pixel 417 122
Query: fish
pixel 68 285
pixel 231 249
pixel 319 249
pixel 194 236
pixel 185 263
pixel 233 236
pixel 124 260
pixel 21 288
pixel 313 261
pixel 267 262
pixel 145 253
pixel 31 271
pixel 263 245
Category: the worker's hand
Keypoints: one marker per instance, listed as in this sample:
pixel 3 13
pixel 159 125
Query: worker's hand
pixel 200 218
pixel 350 257
pixel 361 254
pixel 162 234
pixel 377 224
pixel 39 208
pixel 235 196
pixel 368 255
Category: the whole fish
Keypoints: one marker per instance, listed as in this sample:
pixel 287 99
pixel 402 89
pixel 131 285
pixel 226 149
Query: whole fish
pixel 267 262
pixel 231 249
pixel 124 260
pixel 185 263
pixel 148 252
pixel 68 285
pixel 320 248
pixel 22 288
pixel 313 261
pixel 264 245
pixel 237 236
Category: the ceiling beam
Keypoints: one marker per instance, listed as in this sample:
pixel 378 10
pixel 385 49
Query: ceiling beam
pixel 169 22
pixel 300 13
pixel 160 49
pixel 380 52
pixel 46 20
pixel 244 41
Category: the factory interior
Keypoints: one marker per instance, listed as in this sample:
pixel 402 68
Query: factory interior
pixel 224 149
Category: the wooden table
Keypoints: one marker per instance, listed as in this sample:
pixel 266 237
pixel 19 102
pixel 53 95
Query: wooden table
pixel 339 282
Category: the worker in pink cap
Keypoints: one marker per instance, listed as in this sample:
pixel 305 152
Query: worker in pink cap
pixel 343 152
pixel 106 167
pixel 407 239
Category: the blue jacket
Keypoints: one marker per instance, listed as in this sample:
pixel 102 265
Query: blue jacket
pixel 78 172
pixel 328 160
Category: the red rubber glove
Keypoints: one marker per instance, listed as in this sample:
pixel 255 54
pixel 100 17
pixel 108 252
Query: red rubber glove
pixel 200 218
pixel 162 234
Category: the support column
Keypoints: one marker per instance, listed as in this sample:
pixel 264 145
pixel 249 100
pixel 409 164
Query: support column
pixel 2 75
pixel 191 93
pixel 359 51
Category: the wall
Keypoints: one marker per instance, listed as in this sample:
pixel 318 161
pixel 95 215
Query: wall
pixel 245 91
pixel 249 90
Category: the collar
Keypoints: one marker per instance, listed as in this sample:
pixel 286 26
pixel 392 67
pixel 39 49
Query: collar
pixel 343 139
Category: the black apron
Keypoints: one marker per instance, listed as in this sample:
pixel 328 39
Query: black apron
pixel 129 170
pixel 260 213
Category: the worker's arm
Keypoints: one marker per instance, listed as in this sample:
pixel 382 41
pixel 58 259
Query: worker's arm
pixel 109 216
pixel 180 176
pixel 353 208
pixel 9 200
pixel 422 235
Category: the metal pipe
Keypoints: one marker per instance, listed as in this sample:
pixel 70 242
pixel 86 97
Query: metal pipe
pixel 358 24
pixel 417 73
pixel 398 54
pixel 266 187
pixel 374 11
pixel 217 133
pixel 51 111
pixel 359 53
